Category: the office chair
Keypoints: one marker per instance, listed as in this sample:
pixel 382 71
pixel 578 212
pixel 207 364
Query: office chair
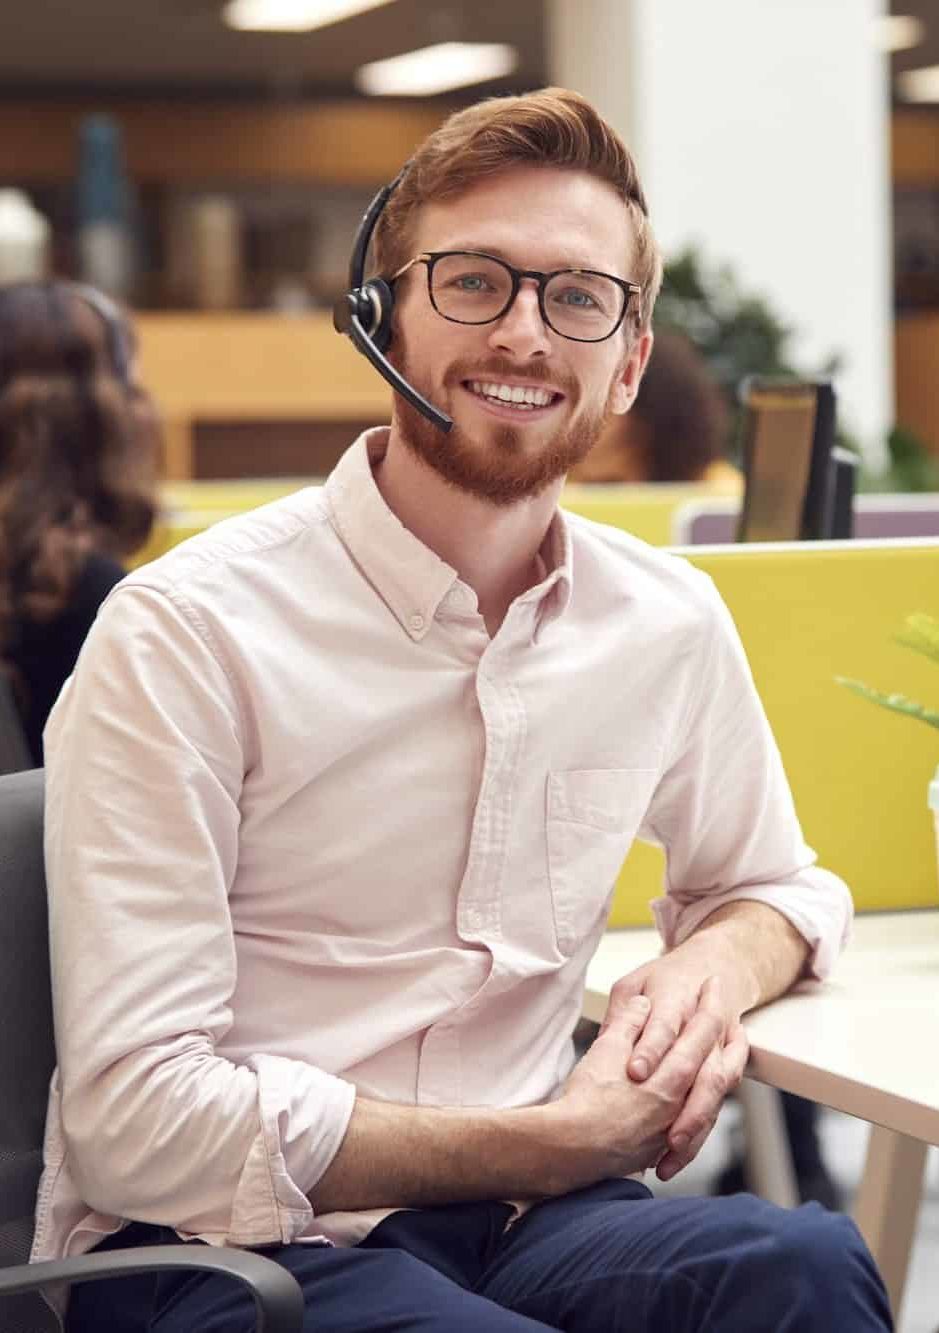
pixel 27 1057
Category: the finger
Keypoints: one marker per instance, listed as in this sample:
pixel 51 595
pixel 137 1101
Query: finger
pixel 670 1163
pixel 680 1065
pixel 664 1026
pixel 658 1036
pixel 614 1044
pixel 702 1104
pixel 620 997
pixel 736 1053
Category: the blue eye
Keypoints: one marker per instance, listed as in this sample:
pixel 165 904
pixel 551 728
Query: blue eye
pixel 471 282
pixel 574 296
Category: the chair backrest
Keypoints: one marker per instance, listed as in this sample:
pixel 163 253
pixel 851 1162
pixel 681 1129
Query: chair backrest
pixel 788 432
pixel 27 1051
pixel 14 750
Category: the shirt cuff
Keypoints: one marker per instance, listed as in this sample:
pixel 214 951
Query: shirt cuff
pixel 304 1116
pixel 815 901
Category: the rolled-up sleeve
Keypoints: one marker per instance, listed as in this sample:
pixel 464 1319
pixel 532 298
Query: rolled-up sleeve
pixel 146 754
pixel 724 812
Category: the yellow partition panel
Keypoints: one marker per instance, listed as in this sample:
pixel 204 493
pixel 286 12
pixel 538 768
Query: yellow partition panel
pixel 807 613
pixel 235 495
pixel 188 507
pixel 646 510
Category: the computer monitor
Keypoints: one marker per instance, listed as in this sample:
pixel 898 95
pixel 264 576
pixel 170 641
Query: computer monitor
pixel 788 432
pixel 843 469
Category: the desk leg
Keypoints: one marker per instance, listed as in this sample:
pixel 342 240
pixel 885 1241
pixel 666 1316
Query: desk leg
pixel 887 1204
pixel 769 1160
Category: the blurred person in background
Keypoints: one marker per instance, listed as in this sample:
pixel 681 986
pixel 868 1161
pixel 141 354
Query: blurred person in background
pixel 79 440
pixel 676 430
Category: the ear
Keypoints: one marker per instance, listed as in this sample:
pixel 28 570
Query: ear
pixel 630 377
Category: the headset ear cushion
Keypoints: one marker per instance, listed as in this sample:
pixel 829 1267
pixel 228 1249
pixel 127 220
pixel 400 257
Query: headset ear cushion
pixel 381 298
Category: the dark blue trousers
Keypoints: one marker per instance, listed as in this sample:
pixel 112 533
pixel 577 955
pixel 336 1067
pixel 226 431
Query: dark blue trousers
pixel 606 1259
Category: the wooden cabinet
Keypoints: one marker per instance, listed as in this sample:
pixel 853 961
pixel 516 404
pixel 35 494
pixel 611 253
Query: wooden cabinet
pixel 917 375
pixel 175 143
pixel 252 380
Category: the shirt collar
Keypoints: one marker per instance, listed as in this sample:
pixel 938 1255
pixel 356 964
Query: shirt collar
pixel 554 591
pixel 409 577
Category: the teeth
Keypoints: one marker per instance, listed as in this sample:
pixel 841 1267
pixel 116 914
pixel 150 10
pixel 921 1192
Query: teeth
pixel 517 395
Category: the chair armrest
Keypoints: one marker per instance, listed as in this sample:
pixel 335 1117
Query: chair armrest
pixel 278 1301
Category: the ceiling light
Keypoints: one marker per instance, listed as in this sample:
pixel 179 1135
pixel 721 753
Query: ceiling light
pixel 898 32
pixel 292 15
pixel 919 85
pixel 435 69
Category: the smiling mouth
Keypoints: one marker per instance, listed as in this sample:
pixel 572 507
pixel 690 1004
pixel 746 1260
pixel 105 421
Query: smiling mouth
pixel 521 399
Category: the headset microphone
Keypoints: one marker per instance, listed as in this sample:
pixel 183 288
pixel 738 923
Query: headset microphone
pixel 364 313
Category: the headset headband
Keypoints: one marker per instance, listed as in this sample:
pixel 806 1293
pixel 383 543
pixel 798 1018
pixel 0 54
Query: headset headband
pixel 364 313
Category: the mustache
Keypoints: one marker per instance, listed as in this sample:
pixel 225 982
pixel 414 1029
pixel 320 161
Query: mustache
pixel 502 367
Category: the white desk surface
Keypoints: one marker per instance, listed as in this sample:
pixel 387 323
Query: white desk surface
pixel 864 1042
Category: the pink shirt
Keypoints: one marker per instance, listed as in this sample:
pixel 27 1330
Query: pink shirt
pixel 310 830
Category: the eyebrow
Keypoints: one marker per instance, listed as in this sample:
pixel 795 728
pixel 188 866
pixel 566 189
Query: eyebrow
pixel 498 253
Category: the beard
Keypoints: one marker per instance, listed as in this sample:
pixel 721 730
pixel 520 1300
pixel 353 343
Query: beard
pixel 501 468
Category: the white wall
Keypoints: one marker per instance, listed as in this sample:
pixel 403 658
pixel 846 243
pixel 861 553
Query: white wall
pixel 761 129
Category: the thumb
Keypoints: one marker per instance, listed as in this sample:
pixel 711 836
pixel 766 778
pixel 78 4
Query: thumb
pixel 622 1024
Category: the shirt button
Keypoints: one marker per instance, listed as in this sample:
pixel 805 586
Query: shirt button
pixel 416 623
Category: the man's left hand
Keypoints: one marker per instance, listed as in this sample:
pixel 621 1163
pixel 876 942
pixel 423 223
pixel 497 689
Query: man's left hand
pixel 674 985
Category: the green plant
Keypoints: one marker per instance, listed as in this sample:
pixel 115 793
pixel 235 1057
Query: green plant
pixel 921 633
pixel 738 334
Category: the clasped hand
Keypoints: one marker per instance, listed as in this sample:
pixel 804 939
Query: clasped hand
pixel 670 1049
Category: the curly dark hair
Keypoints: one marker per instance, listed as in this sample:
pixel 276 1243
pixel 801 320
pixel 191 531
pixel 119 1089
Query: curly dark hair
pixel 76 473
pixel 682 410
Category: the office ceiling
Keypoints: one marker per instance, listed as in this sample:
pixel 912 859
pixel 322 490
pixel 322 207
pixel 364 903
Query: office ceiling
pixel 182 45
pixel 146 46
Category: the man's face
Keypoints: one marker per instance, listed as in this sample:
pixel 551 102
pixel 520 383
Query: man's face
pixel 541 218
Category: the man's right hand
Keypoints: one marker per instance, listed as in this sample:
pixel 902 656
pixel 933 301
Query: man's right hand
pixel 603 1125
pixel 612 1126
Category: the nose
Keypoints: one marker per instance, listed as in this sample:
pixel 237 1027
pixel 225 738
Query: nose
pixel 521 332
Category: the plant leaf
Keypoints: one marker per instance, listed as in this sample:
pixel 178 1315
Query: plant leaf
pixel 897 703
pixel 921 633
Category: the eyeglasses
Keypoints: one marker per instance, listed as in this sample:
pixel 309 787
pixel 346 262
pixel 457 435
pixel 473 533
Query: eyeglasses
pixel 468 287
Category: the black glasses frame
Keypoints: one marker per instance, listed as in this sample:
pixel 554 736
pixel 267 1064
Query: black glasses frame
pixel 431 257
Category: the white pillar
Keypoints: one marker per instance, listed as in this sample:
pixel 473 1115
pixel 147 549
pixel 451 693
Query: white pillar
pixel 761 129
pixel 590 49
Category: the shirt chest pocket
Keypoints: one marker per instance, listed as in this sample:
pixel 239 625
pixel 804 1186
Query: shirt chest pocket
pixel 592 816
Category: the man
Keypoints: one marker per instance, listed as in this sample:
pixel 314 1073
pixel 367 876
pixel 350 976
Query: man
pixel 336 800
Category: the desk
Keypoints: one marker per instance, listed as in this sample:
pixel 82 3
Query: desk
pixel 863 1043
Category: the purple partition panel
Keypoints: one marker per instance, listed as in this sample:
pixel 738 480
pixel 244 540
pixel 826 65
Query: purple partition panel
pixel 893 521
pixel 883 520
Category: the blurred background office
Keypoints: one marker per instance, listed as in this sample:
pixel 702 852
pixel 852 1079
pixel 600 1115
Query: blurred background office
pixel 206 163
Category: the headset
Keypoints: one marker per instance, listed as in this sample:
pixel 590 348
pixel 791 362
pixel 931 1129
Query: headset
pixel 116 329
pixel 364 312
pixel 118 336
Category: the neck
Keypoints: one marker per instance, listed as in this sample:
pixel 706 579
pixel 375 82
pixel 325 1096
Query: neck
pixel 493 548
